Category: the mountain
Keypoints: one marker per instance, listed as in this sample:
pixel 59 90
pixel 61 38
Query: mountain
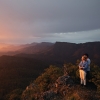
pixel 61 52
pixel 12 47
pixel 17 73
pixel 58 52
pixel 40 47
pixel 25 48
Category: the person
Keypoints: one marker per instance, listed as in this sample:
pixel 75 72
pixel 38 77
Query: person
pixel 83 65
pixel 88 69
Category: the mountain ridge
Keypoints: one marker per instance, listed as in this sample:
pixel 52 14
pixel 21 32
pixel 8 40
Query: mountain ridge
pixel 67 52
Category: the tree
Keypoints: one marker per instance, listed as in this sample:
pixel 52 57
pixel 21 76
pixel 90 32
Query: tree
pixel 48 77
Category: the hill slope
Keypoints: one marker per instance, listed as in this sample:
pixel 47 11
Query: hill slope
pixel 53 85
pixel 17 73
pixel 62 52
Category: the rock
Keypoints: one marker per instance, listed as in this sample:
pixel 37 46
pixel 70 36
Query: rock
pixel 64 80
pixel 58 89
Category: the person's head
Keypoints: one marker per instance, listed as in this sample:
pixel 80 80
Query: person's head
pixel 86 55
pixel 84 58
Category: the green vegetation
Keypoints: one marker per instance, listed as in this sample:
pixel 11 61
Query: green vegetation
pixel 48 78
pixel 44 82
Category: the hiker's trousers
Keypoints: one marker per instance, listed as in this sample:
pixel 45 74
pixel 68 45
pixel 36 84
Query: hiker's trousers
pixel 82 77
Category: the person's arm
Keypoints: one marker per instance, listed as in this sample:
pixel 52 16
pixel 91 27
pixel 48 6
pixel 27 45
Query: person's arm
pixel 85 65
pixel 89 62
pixel 80 65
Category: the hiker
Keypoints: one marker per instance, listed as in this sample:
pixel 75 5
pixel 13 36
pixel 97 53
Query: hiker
pixel 88 69
pixel 83 70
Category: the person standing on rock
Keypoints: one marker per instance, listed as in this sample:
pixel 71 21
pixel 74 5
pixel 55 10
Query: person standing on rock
pixel 83 65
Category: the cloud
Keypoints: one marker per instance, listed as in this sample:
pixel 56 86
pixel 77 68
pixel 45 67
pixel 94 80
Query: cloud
pixel 49 19
pixel 73 37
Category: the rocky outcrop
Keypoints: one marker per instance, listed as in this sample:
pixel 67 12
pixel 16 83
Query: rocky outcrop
pixel 64 80
pixel 57 90
pixel 63 89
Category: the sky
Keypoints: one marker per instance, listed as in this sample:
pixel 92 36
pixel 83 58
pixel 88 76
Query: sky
pixel 28 21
